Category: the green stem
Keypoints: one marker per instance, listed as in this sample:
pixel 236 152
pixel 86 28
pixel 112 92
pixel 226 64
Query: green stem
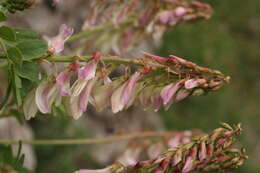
pixel 116 138
pixel 106 59
pixel 87 33
pixel 3 64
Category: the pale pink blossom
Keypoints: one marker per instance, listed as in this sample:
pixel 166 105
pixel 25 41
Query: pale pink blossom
pixel 46 94
pixel 78 104
pixel 130 156
pixel 174 142
pixel 188 166
pixel 203 151
pixel 193 83
pixel 156 99
pixel 84 75
pixel 166 17
pixel 63 82
pixel 57 43
pixel 169 91
pixel 121 97
pixel 180 11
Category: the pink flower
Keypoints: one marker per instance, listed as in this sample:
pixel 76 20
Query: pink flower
pixel 180 11
pixel 165 17
pixel 122 95
pixel 188 166
pixel 84 75
pixel 63 83
pixel 193 83
pixel 79 103
pixel 29 107
pixel 174 142
pixel 46 94
pixel 130 156
pixel 169 91
pixel 57 43
pixel 203 151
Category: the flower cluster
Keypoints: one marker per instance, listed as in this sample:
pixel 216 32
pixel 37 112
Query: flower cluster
pixel 151 148
pixel 134 21
pixel 157 82
pixel 209 153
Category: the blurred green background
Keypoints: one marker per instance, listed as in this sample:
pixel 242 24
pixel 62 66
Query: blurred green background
pixel 230 42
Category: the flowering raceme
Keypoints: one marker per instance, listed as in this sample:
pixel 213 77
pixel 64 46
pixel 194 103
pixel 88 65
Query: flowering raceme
pixel 206 153
pixel 132 22
pixel 157 82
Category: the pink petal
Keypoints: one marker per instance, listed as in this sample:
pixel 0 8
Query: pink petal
pixel 165 17
pixel 203 151
pixel 46 93
pixel 122 95
pixel 57 43
pixel 78 86
pixel 188 166
pixel 180 11
pixel 116 102
pixel 129 87
pixel 169 91
pixel 85 95
pixel 63 82
pixel 174 142
pixel 88 71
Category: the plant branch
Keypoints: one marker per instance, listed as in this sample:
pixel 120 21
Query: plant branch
pixel 111 139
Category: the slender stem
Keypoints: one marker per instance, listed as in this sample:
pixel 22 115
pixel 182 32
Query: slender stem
pixel 3 64
pixel 107 59
pixel 87 33
pixel 116 138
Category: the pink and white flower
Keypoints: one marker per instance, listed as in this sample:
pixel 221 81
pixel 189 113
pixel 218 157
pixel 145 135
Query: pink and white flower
pixel 56 44
pixel 169 91
pixel 121 96
pixel 63 83
pixel 84 75
pixel 46 94
pixel 78 103
pixel 193 83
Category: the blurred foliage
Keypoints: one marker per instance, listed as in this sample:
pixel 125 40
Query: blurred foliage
pixel 229 41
